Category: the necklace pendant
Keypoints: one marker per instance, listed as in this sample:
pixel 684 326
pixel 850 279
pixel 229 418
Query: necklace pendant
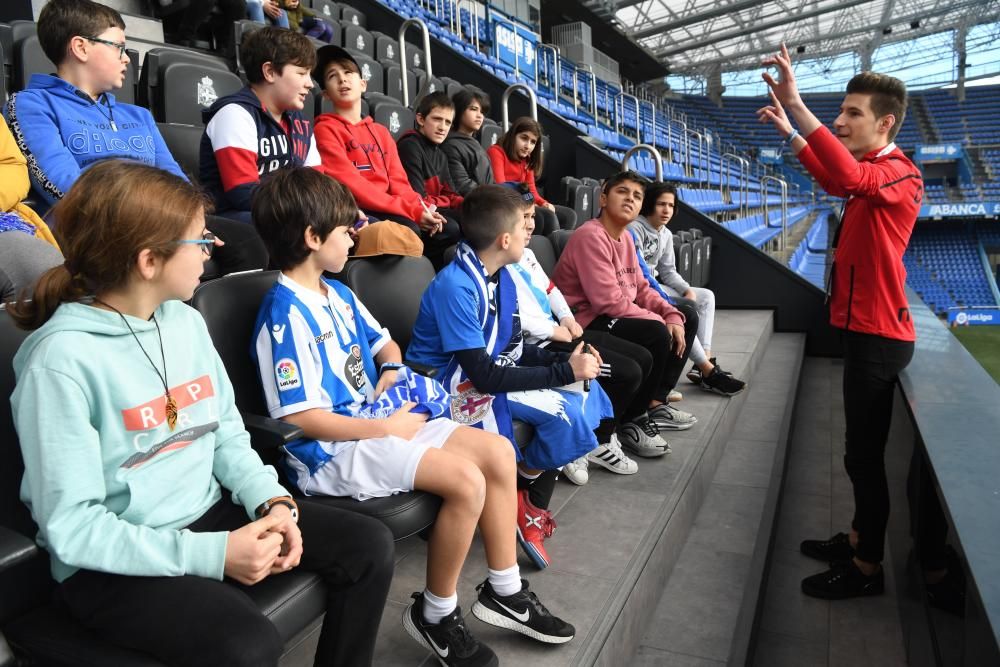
pixel 114 128
pixel 171 412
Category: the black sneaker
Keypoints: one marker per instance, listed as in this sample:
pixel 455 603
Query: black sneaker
pixel 722 382
pixel 694 375
pixel 521 612
pixel 836 549
pixel 843 580
pixel 450 641
pixel 948 594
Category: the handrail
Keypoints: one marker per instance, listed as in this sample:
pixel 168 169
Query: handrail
pixel 744 192
pixel 701 152
pixel 652 105
pixel 619 120
pixel 593 89
pixel 687 145
pixel 506 97
pixel 555 60
pixel 473 20
pixel 402 55
pixel 657 158
pixel 496 44
pixel 784 205
pixel 576 87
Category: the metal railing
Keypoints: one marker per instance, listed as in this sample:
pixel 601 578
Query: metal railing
pixel 657 158
pixel 496 44
pixel 402 55
pixel 619 117
pixel 506 98
pixel 554 80
pixel 593 88
pixel 784 205
pixel 701 154
pixel 473 20
pixel 652 106
pixel 743 195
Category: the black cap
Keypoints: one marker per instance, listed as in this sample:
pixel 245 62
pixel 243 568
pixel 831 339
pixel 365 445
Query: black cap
pixel 326 55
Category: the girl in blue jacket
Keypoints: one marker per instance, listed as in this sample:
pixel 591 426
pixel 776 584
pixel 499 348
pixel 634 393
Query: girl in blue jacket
pixel 138 470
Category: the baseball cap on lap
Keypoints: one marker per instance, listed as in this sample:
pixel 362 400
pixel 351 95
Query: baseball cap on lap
pixel 388 238
pixel 326 55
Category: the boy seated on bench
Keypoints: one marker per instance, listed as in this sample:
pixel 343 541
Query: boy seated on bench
pixel 373 428
pixel 469 328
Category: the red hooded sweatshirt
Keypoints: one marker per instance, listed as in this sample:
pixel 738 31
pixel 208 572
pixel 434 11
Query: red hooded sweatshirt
pixel 884 191
pixel 506 170
pixel 363 157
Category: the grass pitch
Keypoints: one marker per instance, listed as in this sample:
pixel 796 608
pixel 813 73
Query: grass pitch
pixel 984 344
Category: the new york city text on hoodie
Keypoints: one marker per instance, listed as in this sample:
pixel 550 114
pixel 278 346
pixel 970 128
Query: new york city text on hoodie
pixel 62 130
pixel 243 142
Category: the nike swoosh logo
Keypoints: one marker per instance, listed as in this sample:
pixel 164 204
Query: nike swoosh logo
pixel 523 616
pixel 443 652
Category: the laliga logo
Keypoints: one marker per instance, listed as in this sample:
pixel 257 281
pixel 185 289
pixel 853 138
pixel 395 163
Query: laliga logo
pixel 962 318
pixel 206 92
pixel 394 122
pixel 287 374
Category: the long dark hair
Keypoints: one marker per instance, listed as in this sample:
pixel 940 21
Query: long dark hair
pixel 524 124
pixel 114 211
pixel 463 99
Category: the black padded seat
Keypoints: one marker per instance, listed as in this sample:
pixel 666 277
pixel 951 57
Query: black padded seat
pixel 184 142
pixel 358 39
pixel 544 252
pixel 394 81
pixel 559 239
pixel 371 71
pixel 229 305
pixel 177 84
pixel 489 134
pixel 397 118
pixel 353 16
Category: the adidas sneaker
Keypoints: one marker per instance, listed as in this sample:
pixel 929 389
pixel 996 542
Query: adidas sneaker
pixel 642 438
pixel 612 457
pixel 576 471
pixel 521 612
pixel 450 640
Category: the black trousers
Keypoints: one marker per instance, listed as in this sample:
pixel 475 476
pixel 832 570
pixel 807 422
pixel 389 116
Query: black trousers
pixel 244 249
pixel 191 620
pixel 652 335
pixel 628 363
pixel 871 366
pixel 434 246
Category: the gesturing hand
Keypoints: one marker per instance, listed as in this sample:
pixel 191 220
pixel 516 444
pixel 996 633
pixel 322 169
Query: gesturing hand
pixel 775 113
pixel 785 89
pixel 251 550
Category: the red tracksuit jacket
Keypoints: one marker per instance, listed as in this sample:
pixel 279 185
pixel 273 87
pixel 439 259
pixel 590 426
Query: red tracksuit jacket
pixel 884 191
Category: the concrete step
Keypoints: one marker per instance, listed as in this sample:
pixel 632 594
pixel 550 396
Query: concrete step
pixel 617 540
pixel 708 608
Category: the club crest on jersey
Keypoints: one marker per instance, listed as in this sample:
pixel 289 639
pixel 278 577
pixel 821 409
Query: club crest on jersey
pixel 468 406
pixel 354 368
pixel 286 372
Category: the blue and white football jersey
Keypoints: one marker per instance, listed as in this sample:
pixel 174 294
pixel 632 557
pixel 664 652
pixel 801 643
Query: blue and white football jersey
pixel 315 351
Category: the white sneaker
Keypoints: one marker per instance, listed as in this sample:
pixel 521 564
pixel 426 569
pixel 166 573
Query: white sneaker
pixel 675 396
pixel 642 438
pixel 612 457
pixel 576 471
pixel 668 418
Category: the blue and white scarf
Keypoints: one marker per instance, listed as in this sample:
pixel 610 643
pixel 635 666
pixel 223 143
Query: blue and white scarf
pixel 501 324
pixel 430 397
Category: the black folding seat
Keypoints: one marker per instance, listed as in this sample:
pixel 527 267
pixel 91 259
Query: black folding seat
pixel 327 10
pixel 386 47
pixel 697 261
pixel 490 134
pixel 682 258
pixel 397 118
pixel 565 196
pixel 184 143
pixel 177 84
pixel 582 202
pixel 706 261
pixel 394 82
pixel 559 239
pixel 353 16
pixel 358 39
pixel 544 251
pixel 371 71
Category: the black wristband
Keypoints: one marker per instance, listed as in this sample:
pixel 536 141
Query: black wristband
pixel 389 366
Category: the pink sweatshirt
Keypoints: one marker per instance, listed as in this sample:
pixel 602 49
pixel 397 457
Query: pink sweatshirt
pixel 600 276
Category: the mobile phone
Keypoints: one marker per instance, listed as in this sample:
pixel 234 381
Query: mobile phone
pixel 359 224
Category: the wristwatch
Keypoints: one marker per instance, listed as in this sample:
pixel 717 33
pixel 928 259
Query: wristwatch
pixel 287 501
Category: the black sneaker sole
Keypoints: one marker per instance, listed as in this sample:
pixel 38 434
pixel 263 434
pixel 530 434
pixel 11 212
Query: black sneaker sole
pixel 497 619
pixel 825 594
pixel 720 392
pixel 418 636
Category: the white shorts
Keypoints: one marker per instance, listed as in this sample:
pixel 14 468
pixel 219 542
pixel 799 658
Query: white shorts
pixel 378 467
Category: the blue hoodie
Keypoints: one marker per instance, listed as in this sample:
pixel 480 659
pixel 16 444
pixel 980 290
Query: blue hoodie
pixel 61 130
pixel 108 483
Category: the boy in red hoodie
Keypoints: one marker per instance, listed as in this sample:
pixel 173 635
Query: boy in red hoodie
pixel 362 155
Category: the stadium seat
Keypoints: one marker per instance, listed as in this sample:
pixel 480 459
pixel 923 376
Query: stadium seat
pixel 41 629
pixel 394 82
pixel 353 16
pixel 358 39
pixel 489 134
pixel 184 143
pixel 682 259
pixel 177 84
pixel 371 71
pixel 697 261
pixel 229 305
pixel 559 239
pixel 397 118
pixel 544 252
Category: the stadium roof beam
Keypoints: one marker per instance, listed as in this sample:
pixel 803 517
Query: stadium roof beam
pixel 740 57
pixel 693 18
pixel 755 28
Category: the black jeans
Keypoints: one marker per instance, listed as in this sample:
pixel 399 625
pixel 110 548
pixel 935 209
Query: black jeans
pixel 652 335
pixel 244 250
pixel 191 620
pixel 871 366
pixel 628 365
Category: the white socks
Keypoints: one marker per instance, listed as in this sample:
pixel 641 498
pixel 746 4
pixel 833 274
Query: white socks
pixel 506 582
pixel 436 608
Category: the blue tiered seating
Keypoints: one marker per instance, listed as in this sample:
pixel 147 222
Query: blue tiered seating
pixel 944 266
pixel 809 258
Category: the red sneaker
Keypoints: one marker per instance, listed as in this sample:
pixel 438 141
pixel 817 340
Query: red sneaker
pixel 534 525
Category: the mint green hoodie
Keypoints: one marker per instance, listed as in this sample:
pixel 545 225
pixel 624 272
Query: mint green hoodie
pixel 108 483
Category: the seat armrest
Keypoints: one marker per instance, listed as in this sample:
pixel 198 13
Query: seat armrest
pixel 422 369
pixel 267 433
pixel 14 548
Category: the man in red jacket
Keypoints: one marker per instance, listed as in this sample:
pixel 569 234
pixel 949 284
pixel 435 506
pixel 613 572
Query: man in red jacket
pixel 884 191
